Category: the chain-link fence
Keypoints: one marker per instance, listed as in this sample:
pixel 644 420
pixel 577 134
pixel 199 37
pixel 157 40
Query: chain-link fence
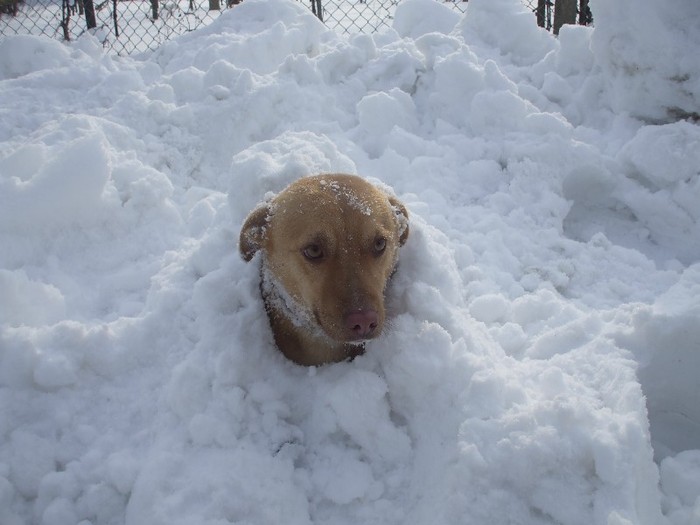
pixel 363 16
pixel 131 26
pixel 123 26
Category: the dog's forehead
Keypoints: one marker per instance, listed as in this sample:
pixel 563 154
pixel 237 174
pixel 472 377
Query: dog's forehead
pixel 343 198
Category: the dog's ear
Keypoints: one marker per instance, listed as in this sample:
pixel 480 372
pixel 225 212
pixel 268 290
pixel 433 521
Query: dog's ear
pixel 252 233
pixel 401 217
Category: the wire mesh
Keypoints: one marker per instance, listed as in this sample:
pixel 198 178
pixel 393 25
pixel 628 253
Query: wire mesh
pixel 132 26
pixel 123 26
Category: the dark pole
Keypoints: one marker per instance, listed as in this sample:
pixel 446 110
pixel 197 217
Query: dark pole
pixel 114 17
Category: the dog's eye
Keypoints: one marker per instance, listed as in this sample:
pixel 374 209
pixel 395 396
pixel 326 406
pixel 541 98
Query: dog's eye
pixel 379 245
pixel 313 252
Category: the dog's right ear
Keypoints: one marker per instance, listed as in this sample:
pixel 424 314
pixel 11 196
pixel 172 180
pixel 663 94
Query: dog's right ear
pixel 253 232
pixel 402 217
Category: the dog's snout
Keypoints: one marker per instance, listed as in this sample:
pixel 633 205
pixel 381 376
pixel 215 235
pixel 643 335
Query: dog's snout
pixel 362 323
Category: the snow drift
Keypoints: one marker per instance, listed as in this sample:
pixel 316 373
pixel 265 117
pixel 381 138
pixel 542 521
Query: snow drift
pixel 544 316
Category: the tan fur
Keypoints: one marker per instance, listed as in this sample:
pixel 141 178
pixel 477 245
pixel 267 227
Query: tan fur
pixel 329 244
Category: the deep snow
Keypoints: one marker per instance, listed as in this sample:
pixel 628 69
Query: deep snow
pixel 547 299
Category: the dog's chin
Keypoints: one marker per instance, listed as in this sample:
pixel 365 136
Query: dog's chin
pixel 359 343
pixel 355 341
pixel 332 336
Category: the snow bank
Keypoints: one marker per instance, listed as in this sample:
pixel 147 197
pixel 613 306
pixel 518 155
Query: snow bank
pixel 23 54
pixel 543 344
pixel 645 51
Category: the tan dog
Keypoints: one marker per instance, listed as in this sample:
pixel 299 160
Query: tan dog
pixel 329 245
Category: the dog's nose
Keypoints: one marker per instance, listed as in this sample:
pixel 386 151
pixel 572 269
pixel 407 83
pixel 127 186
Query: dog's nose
pixel 362 323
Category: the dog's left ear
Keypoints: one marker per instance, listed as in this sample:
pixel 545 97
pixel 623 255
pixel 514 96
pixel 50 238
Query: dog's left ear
pixel 401 217
pixel 253 232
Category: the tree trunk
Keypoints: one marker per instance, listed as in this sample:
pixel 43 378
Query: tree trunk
pixel 317 9
pixel 214 5
pixel 154 9
pixel 564 13
pixel 65 19
pixel 585 17
pixel 90 18
pixel 543 13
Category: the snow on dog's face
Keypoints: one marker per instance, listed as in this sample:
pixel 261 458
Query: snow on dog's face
pixel 330 244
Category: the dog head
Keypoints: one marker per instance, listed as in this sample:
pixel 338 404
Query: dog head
pixel 330 244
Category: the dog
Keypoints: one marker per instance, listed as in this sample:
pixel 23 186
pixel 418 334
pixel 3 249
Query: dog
pixel 329 245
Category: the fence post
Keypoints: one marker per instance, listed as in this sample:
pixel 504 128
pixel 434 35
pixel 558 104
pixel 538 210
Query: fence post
pixel 90 19
pixel 114 16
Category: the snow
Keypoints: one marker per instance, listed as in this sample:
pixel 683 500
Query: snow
pixel 542 357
